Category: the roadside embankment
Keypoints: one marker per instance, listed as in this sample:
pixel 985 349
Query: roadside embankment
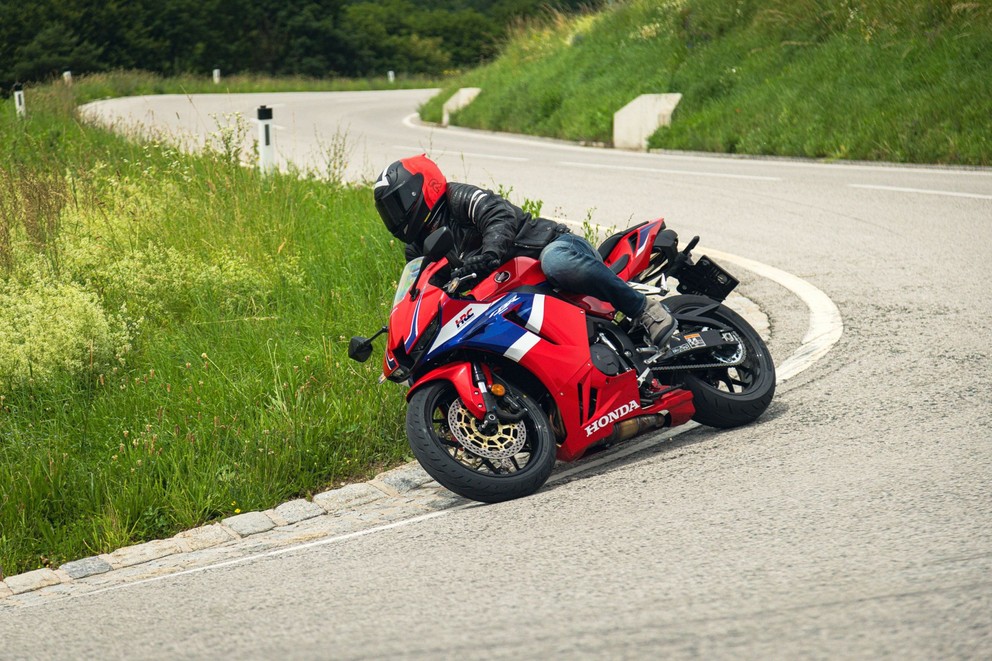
pixel 903 81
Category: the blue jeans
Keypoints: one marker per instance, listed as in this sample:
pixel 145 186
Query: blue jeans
pixel 572 264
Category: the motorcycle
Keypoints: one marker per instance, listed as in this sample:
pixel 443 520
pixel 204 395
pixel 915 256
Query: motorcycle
pixel 510 375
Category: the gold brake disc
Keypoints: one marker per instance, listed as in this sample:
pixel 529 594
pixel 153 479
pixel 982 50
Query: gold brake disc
pixel 506 441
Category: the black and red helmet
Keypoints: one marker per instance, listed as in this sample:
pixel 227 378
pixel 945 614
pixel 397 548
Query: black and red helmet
pixel 408 196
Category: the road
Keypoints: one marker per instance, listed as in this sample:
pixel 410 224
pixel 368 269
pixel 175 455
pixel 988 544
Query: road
pixel 852 521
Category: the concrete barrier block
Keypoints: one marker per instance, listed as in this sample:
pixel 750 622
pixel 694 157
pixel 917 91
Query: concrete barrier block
pixel 635 122
pixel 461 98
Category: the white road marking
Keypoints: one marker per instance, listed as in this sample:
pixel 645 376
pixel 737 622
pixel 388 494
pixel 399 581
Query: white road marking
pixel 691 173
pixel 923 191
pixel 269 554
pixel 825 323
pixel 514 159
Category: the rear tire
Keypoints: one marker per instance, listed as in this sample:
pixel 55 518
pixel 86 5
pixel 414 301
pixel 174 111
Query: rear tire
pixel 727 396
pixel 490 480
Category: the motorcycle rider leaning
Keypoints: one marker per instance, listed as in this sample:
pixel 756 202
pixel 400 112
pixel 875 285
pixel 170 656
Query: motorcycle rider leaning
pixel 413 198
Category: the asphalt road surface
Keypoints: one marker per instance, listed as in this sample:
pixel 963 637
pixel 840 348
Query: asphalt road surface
pixel 853 520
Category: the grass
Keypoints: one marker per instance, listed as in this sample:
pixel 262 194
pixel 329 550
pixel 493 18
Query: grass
pixel 139 83
pixel 903 81
pixel 173 336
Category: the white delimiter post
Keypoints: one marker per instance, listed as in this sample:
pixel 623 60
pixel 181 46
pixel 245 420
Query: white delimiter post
pixel 19 99
pixel 67 77
pixel 216 76
pixel 391 75
pixel 266 150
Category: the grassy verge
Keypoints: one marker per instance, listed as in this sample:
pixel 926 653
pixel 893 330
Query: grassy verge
pixel 172 336
pixel 866 79
pixel 138 83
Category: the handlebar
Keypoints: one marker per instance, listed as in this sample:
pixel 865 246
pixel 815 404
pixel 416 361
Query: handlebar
pixel 452 286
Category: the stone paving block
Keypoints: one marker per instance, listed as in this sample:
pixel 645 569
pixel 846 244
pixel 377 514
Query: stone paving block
pixel 4 590
pixel 249 523
pixel 205 537
pixel 32 580
pixel 276 519
pixel 405 478
pixel 348 497
pixel 140 553
pixel 298 510
pixel 86 567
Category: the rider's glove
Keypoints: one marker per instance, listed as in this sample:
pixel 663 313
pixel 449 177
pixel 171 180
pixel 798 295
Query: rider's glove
pixel 481 265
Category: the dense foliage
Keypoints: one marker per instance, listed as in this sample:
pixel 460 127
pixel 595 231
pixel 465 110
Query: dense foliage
pixel 897 80
pixel 320 38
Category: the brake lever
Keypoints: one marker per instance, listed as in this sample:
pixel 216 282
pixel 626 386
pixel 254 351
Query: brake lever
pixel 452 285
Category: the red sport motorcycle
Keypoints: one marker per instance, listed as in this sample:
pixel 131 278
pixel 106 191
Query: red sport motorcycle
pixel 508 376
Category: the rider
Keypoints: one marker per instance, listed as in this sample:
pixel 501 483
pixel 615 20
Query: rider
pixel 414 199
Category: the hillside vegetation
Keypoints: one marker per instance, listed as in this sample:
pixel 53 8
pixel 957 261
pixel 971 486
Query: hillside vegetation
pixel 897 80
pixel 173 334
pixel 314 38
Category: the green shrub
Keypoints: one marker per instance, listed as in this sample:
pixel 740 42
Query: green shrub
pixel 50 330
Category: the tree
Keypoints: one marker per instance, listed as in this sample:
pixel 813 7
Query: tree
pixel 53 50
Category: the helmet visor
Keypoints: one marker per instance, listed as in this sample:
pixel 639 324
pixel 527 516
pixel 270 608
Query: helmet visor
pixel 399 207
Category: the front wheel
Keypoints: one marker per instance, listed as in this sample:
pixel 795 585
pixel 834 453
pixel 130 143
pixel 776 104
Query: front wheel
pixel 731 395
pixel 512 461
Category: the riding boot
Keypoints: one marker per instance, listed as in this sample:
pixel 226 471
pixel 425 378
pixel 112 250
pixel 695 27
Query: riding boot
pixel 658 322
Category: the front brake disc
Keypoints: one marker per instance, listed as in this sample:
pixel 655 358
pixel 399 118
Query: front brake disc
pixel 506 441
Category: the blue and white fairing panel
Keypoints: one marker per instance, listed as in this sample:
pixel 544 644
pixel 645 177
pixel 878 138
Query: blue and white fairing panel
pixel 484 326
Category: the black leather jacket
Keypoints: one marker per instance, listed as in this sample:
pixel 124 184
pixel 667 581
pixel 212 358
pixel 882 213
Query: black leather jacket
pixel 482 221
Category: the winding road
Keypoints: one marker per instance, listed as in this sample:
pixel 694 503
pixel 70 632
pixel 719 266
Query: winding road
pixel 853 520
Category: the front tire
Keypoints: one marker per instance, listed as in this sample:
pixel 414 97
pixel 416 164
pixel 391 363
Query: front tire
pixel 512 463
pixel 726 397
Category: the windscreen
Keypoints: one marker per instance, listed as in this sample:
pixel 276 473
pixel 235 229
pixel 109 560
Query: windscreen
pixel 407 279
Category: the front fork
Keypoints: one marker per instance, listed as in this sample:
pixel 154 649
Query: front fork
pixel 487 397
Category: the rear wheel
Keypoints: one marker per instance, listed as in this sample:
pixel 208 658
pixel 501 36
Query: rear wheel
pixel 511 461
pixel 739 384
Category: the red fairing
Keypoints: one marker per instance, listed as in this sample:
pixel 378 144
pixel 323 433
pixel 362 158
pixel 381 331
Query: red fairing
pixel 636 246
pixel 546 333
pixel 408 319
pixel 516 273
pixel 561 361
pixel 460 375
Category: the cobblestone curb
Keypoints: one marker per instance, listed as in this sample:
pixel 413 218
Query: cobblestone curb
pixel 402 492
pixel 397 493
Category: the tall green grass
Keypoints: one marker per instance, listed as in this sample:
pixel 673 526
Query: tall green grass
pixel 173 336
pixel 902 80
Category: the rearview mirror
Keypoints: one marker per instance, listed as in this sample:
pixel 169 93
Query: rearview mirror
pixel 360 348
pixel 438 244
